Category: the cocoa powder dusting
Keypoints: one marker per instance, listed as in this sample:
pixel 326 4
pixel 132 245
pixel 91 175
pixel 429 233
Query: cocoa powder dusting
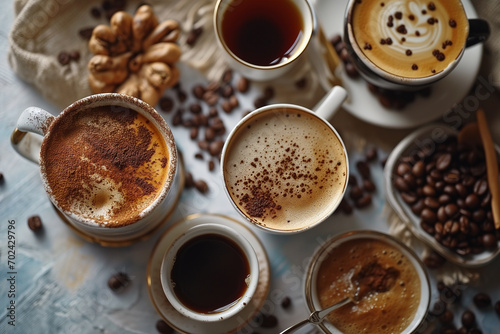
pixel 100 163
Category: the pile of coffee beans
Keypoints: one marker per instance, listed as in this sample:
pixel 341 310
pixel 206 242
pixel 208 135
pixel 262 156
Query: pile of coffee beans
pixel 202 117
pixel 446 187
pixel 390 99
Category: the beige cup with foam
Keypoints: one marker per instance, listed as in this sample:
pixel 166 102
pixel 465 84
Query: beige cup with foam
pixel 108 163
pixel 285 167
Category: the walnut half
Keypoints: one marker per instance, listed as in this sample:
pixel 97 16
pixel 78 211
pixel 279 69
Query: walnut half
pixel 135 55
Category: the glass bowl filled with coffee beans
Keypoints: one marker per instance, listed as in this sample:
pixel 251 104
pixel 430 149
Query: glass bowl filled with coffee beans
pixel 437 184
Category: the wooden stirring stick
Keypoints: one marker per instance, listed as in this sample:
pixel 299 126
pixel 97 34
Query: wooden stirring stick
pixel 491 166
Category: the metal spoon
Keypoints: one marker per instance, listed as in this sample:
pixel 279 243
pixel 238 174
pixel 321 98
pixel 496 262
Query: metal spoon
pixel 317 316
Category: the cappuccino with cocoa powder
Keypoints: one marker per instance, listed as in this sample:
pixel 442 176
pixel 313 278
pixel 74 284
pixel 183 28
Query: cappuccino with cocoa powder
pixel 106 164
pixel 284 168
pixel 410 39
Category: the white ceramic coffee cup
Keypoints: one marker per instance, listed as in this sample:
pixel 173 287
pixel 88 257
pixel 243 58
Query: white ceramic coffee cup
pixel 252 279
pixel 257 72
pixel 35 122
pixel 477 31
pixel 325 109
pixel 327 250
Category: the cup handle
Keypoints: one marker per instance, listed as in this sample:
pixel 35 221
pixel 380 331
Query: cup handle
pixel 479 31
pixel 32 122
pixel 329 105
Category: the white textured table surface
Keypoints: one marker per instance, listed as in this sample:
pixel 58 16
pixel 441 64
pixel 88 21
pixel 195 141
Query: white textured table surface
pixel 60 281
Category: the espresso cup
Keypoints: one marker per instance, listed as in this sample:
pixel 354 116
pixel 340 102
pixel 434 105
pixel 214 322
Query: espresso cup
pixel 385 279
pixel 210 273
pixel 285 167
pixel 108 163
pixel 263 39
pixel 408 45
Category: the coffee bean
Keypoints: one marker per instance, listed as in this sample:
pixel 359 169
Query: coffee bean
pixel 363 169
pixel 227 76
pixel 369 186
pixel 211 165
pixel 345 207
pixel 260 101
pixel 166 103
pixel 163 328
pixel 446 317
pixel 2 178
pixel 482 300
pixel 211 98
pixel 193 134
pixel 472 201
pixel 468 319
pixel 227 91
pixel 35 223
pixel 403 168
pixel 181 95
pixel 243 85
pixel 269 93
pixel 86 33
pixel 198 91
pixel 364 201
pixel 119 281
pixel 428 215
pixel 201 186
pixel 400 184
pixel 63 58
pixel 301 83
pixel 443 162
pixel 489 241
pixel 215 147
pixel 286 302
pixel 195 108
pixel 481 187
pixel 355 192
pixel 189 180
pixel 433 260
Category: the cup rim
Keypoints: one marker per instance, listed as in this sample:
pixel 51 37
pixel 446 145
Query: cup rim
pixel 352 44
pixel 217 22
pixel 270 108
pixel 323 251
pixel 168 261
pixel 146 110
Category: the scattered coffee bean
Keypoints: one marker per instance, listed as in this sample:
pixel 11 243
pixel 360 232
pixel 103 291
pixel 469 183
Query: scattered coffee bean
pixel 468 319
pixel 364 201
pixel 119 281
pixel 482 300
pixel 86 33
pixel 363 169
pixel 433 260
pixel 243 85
pixel 286 302
pixel 201 186
pixel 63 58
pixel 211 165
pixel 371 154
pixel 301 84
pixel 227 76
pixel 166 104
pixel 189 180
pixel 163 328
pixel 35 223
pixel 2 178
pixel 446 317
pixel 193 36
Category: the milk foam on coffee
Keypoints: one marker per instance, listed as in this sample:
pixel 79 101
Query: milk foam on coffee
pixel 390 311
pixel 416 38
pixel 285 169
pixel 106 164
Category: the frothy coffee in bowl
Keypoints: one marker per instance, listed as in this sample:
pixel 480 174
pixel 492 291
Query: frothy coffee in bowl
pixel 106 164
pixel 410 39
pixel 284 168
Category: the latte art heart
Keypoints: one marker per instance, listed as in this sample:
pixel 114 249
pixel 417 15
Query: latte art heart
pixel 410 38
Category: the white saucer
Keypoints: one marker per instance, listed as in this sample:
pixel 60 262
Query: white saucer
pixel 186 325
pixel 365 105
